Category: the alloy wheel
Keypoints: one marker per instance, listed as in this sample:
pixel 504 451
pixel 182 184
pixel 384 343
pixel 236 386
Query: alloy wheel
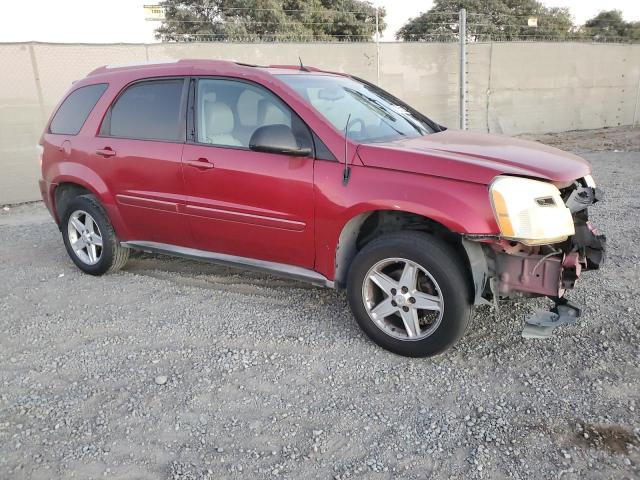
pixel 85 237
pixel 403 299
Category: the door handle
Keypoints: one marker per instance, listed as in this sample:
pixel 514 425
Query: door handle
pixel 200 163
pixel 106 152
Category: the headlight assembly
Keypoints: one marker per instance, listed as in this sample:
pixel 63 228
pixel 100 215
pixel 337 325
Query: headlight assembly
pixel 530 211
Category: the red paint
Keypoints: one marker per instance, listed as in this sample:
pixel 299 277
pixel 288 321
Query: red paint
pixel 275 207
pixel 251 204
pixel 475 157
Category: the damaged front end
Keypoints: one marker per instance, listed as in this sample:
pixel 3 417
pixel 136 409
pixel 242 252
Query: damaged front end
pixel 517 269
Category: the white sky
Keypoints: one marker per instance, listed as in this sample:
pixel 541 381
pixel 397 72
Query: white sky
pixel 113 21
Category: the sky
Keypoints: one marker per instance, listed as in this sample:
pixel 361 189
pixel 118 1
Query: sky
pixel 115 21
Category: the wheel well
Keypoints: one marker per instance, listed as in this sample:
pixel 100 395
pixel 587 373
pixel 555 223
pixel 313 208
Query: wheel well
pixel 363 228
pixel 64 193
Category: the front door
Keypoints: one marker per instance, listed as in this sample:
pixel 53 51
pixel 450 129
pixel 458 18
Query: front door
pixel 242 202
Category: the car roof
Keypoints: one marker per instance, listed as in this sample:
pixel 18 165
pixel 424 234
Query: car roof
pixel 200 67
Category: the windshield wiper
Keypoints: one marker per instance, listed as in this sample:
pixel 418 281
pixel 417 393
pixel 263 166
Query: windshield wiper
pixel 380 107
pixel 369 103
pixel 405 117
pixel 364 100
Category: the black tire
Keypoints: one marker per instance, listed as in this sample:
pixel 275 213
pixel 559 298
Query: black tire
pixel 112 255
pixel 442 263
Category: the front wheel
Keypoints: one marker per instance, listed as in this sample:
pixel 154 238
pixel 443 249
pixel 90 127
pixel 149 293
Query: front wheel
pixel 89 237
pixel 408 292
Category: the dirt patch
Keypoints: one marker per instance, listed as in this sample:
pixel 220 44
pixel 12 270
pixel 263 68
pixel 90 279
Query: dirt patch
pixel 616 139
pixel 613 438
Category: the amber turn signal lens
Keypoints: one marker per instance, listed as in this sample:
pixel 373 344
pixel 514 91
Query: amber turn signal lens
pixel 502 215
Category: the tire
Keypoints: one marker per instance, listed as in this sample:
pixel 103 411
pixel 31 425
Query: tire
pixel 107 258
pixel 441 285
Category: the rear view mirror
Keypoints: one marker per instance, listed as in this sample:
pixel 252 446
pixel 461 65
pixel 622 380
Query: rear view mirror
pixel 277 139
pixel 331 94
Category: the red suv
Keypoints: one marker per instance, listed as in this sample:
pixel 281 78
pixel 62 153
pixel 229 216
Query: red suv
pixel 322 177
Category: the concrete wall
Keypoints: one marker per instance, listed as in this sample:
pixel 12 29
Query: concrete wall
pixel 549 87
pixel 512 87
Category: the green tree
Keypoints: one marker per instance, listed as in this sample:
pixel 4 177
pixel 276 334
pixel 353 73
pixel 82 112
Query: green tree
pixel 489 20
pixel 268 20
pixel 610 26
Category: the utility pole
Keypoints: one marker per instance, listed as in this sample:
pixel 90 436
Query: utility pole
pixel 462 31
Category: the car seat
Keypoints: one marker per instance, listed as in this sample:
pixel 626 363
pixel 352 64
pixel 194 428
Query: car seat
pixel 219 124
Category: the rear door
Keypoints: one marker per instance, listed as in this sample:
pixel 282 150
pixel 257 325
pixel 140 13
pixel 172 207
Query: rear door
pixel 138 153
pixel 241 202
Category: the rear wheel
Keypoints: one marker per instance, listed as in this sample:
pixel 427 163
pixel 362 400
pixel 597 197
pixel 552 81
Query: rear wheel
pixel 408 292
pixel 89 237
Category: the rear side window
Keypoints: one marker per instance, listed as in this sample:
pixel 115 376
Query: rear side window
pixel 148 111
pixel 75 109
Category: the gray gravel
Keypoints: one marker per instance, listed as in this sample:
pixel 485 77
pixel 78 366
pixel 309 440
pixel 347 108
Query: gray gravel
pixel 178 370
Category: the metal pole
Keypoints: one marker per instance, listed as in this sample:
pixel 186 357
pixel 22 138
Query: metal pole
pixel 462 31
pixel 377 49
pixel 488 104
pixel 635 110
pixel 36 77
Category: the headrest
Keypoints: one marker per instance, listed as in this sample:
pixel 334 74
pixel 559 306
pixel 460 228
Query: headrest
pixel 219 119
pixel 209 97
pixel 269 114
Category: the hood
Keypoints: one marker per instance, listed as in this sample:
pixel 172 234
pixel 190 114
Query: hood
pixel 474 157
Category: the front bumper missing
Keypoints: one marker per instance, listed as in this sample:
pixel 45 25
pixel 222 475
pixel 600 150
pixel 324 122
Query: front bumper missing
pixel 515 270
pixel 588 251
pixel 530 274
pixel 548 274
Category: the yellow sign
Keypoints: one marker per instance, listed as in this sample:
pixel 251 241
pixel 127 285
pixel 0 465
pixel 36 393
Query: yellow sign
pixel 532 21
pixel 154 13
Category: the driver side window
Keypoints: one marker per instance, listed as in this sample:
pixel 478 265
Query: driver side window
pixel 228 112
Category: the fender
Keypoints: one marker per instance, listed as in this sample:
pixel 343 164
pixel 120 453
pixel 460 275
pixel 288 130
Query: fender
pixel 73 172
pixel 461 207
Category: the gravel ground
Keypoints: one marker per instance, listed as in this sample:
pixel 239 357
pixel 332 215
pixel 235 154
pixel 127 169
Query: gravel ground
pixel 173 369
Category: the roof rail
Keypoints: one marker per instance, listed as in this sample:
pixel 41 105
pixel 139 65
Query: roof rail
pixel 147 63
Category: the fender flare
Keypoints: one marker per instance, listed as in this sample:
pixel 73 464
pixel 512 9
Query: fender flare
pixel 79 174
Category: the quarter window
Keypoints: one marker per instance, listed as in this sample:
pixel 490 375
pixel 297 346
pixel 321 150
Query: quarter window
pixel 75 109
pixel 148 111
pixel 228 112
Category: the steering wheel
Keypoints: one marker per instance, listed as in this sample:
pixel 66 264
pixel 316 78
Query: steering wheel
pixel 362 132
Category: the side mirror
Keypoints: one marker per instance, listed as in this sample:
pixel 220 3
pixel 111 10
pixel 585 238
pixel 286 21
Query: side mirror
pixel 277 139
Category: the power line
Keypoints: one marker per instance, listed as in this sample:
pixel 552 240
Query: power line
pixel 286 10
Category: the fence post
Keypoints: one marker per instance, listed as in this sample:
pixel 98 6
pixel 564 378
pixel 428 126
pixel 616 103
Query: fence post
pixel 36 77
pixel 462 31
pixel 635 110
pixel 377 49
pixel 488 96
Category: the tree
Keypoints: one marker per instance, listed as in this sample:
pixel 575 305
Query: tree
pixel 268 20
pixel 488 20
pixel 610 26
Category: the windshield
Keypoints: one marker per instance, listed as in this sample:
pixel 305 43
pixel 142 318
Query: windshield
pixel 376 116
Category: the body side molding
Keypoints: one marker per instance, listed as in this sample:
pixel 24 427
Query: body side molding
pixel 144 202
